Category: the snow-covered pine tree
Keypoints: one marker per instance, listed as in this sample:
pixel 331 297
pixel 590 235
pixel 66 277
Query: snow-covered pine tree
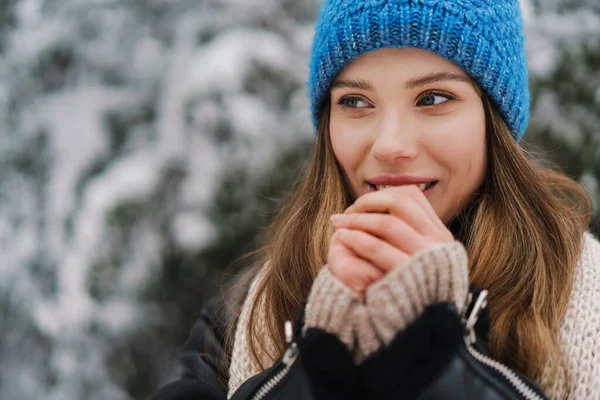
pixel 564 58
pixel 121 122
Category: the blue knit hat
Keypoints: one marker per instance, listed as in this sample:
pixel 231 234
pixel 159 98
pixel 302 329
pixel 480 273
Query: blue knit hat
pixel 484 37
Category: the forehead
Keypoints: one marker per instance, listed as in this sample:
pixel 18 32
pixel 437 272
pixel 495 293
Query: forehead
pixel 400 61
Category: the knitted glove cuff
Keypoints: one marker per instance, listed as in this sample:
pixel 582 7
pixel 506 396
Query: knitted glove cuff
pixel 437 274
pixel 333 307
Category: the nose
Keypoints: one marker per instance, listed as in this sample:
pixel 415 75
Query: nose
pixel 395 140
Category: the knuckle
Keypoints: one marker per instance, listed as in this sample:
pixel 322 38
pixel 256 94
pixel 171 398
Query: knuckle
pixel 446 238
pixel 373 246
pixel 330 259
pixel 387 222
pixel 335 238
pixel 337 269
pixel 363 280
pixel 352 219
pixel 423 243
pixel 440 236
pixel 333 268
pixel 352 280
pixel 412 191
pixel 385 204
pixel 374 275
pixel 341 274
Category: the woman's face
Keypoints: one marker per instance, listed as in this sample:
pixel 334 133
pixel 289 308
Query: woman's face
pixel 408 116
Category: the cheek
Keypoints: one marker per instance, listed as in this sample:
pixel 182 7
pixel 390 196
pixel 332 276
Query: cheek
pixel 462 150
pixel 349 150
pixel 466 166
pixel 346 147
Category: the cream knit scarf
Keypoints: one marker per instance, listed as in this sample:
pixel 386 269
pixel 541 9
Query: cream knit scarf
pixel 580 333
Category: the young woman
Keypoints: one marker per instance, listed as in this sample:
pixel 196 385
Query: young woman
pixel 417 187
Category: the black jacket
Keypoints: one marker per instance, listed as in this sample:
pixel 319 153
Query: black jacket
pixel 428 360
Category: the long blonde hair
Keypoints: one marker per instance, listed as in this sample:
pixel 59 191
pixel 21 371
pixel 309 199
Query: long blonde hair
pixel 523 233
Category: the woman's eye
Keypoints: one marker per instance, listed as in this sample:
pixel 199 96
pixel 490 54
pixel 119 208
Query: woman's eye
pixel 353 102
pixel 433 99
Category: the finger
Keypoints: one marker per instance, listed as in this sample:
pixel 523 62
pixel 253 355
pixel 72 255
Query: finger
pixel 352 270
pixel 406 202
pixel 395 201
pixel 368 247
pixel 387 227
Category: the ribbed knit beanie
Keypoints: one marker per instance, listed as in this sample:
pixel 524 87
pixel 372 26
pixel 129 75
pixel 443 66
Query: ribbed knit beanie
pixel 484 37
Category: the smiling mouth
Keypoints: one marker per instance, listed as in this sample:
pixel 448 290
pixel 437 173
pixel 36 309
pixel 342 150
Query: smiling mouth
pixel 422 186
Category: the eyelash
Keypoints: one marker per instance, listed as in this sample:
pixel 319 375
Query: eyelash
pixel 445 95
pixel 343 101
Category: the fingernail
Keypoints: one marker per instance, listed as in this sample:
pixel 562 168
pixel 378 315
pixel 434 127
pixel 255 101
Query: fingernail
pixel 359 288
pixel 336 218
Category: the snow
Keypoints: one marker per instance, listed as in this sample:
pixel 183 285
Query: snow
pixel 559 125
pixel 590 182
pixel 548 31
pixel 222 64
pixel 80 193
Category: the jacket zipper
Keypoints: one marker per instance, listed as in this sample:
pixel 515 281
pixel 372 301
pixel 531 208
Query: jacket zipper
pixel 521 386
pixel 289 357
pixel 291 354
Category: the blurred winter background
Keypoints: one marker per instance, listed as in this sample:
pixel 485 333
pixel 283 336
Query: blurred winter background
pixel 144 142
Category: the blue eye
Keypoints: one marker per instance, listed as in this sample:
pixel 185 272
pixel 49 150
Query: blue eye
pixel 433 99
pixel 352 102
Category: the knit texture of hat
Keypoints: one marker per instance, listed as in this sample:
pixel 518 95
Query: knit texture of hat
pixel 484 37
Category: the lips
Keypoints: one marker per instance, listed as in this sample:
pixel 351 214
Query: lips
pixel 427 188
pixel 422 186
pixel 380 182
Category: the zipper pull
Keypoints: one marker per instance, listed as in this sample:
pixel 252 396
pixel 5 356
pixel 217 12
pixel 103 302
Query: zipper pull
pixel 291 353
pixel 468 302
pixel 288 330
pixel 480 305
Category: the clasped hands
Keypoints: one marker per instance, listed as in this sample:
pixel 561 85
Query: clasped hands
pixel 380 231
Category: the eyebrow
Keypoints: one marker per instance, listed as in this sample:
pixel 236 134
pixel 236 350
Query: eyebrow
pixel 351 84
pixel 411 84
pixel 436 77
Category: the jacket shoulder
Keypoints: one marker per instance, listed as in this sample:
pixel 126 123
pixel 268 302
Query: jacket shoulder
pixel 204 359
